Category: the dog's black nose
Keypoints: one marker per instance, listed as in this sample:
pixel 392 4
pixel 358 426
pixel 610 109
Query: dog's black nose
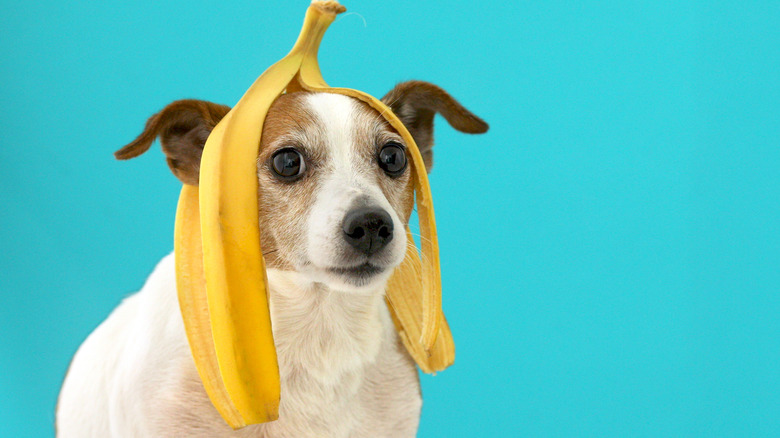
pixel 368 229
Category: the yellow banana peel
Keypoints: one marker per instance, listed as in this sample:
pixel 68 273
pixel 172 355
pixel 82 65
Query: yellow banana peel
pixel 220 271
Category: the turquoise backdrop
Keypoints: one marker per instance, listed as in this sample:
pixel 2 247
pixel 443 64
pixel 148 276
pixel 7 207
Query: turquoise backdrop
pixel 610 249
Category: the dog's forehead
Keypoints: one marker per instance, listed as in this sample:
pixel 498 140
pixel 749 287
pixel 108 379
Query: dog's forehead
pixel 335 116
pixel 347 127
pixel 335 113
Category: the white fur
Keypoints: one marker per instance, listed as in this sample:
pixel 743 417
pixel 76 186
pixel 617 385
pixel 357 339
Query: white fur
pixel 348 181
pixel 344 372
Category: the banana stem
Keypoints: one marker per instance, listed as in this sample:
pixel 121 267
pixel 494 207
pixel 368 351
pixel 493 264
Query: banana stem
pixel 329 6
pixel 318 17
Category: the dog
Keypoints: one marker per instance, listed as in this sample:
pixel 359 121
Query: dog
pixel 335 195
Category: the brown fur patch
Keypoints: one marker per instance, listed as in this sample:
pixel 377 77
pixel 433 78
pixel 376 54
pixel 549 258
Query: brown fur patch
pixel 283 206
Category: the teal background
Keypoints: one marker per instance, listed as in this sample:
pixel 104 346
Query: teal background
pixel 610 249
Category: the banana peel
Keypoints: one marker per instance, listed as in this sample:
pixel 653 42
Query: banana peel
pixel 220 271
pixel 404 297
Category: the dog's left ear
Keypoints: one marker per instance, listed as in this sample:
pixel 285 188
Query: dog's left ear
pixel 416 102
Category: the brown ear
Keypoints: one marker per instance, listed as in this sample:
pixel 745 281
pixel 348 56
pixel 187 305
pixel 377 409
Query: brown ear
pixel 416 102
pixel 183 127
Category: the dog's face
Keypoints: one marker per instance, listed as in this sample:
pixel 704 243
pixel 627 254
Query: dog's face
pixel 335 191
pixel 334 179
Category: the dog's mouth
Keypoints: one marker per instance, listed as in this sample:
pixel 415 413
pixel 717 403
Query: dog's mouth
pixel 363 271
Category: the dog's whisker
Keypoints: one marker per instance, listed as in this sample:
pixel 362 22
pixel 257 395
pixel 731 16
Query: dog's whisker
pixel 421 237
pixel 411 245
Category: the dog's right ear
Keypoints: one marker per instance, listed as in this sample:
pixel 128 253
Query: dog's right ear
pixel 183 127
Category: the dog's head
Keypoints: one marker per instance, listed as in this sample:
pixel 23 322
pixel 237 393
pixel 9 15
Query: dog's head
pixel 335 190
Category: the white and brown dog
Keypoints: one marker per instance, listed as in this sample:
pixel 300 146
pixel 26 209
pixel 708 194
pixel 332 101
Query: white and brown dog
pixel 335 194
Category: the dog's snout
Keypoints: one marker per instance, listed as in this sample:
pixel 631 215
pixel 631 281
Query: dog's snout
pixel 368 229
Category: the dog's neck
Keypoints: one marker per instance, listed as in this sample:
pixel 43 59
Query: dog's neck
pixel 322 332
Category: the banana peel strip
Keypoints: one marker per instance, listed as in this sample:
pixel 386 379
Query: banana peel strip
pixel 404 295
pixel 220 270
pixel 193 302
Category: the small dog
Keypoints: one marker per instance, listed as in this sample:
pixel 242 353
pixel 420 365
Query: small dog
pixel 335 195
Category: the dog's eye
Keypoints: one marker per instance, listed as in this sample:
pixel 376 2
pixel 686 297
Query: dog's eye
pixel 392 159
pixel 288 163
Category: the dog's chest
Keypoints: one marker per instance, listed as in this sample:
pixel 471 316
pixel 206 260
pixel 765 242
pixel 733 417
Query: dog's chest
pixel 343 372
pixel 336 353
pixel 327 342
